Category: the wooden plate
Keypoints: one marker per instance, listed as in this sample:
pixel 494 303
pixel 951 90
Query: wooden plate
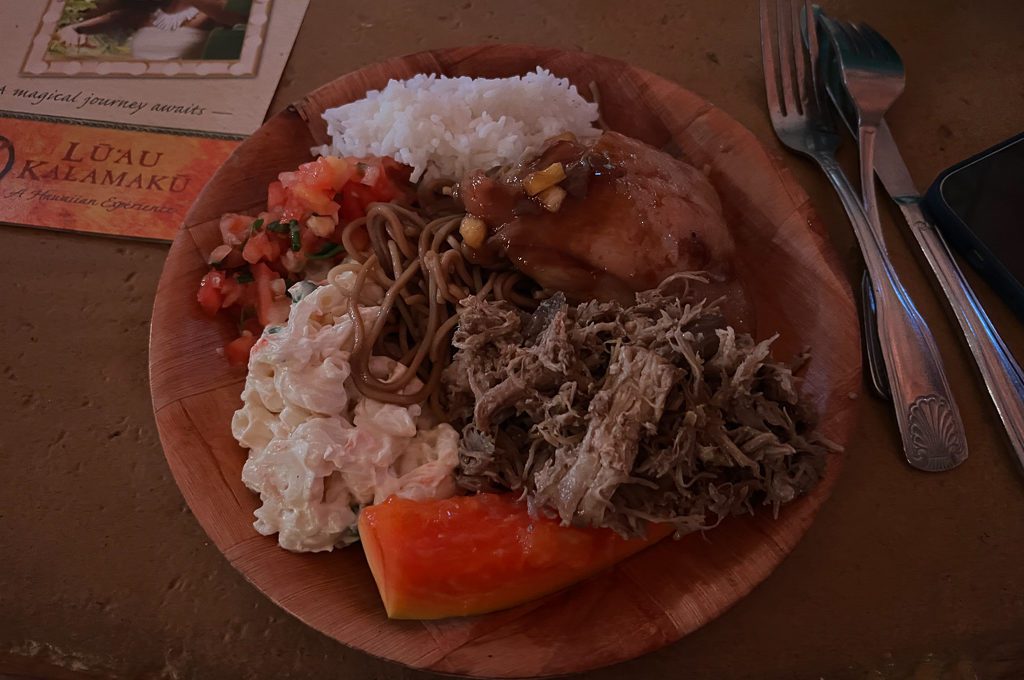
pixel 644 603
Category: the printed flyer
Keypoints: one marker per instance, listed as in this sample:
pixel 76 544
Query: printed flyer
pixel 115 113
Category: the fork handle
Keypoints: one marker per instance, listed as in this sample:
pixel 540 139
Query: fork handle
pixel 1000 371
pixel 926 414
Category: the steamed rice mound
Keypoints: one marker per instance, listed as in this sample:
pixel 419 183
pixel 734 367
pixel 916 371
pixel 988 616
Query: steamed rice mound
pixel 446 127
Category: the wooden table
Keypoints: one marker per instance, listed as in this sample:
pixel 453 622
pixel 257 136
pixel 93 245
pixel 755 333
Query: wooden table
pixel 104 573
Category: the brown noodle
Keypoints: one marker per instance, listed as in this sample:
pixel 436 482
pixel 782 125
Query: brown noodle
pixel 424 270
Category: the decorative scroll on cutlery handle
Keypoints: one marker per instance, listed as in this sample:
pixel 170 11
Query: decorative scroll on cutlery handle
pixel 1000 371
pixel 929 422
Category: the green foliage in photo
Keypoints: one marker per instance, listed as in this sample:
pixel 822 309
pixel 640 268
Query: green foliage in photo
pixel 98 46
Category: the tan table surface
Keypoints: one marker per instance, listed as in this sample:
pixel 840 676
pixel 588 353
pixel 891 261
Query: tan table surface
pixel 104 572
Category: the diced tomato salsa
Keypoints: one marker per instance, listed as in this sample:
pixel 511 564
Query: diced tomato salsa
pixel 262 256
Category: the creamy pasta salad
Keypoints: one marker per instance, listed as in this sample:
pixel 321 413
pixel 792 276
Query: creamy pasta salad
pixel 318 450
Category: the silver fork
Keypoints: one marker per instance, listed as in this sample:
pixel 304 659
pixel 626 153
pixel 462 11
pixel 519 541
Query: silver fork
pixel 928 420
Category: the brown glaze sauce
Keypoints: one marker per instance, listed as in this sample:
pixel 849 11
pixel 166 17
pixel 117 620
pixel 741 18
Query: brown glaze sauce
pixel 632 216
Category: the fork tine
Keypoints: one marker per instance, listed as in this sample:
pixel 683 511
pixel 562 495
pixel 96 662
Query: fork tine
pixel 785 55
pixel 813 52
pixel 800 84
pixel 807 59
pixel 768 61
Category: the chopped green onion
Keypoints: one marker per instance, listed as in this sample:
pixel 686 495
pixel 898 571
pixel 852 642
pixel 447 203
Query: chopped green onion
pixel 277 227
pixel 256 225
pixel 330 250
pixel 293 227
pixel 245 277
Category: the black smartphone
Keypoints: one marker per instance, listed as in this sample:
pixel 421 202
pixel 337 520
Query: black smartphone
pixel 978 205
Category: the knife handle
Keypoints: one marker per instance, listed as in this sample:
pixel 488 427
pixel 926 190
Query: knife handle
pixel 1000 371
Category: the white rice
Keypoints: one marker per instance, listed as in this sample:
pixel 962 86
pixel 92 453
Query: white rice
pixel 445 127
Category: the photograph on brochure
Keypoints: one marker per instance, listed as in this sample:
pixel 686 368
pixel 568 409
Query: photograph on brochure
pixel 170 38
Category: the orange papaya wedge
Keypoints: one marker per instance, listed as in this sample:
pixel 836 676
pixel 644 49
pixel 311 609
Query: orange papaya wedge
pixel 476 554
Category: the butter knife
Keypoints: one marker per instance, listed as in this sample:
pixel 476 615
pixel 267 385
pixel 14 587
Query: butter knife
pixel 1000 371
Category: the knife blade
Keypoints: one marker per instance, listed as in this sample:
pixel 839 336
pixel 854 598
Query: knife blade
pixel 892 170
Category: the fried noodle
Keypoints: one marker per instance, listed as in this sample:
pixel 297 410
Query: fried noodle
pixel 422 264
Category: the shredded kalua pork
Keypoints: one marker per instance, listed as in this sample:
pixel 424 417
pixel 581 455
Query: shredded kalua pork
pixel 611 416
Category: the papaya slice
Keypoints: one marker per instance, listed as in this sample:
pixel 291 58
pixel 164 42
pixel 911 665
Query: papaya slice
pixel 476 554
